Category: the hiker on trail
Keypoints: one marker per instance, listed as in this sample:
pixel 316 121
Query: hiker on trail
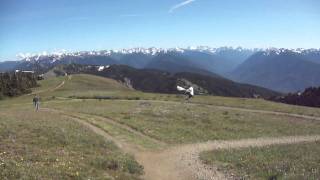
pixel 36 101
pixel 188 92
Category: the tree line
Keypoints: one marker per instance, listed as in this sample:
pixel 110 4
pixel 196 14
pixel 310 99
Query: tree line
pixel 15 84
pixel 310 97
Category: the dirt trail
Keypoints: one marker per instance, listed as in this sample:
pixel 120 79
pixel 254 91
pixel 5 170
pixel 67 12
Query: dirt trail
pixel 58 87
pixel 270 112
pixel 187 156
pixel 81 116
pixel 50 89
pixel 61 84
pixel 128 128
pixel 182 161
pixel 99 131
pixel 243 110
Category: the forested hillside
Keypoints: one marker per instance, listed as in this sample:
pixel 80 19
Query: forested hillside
pixel 156 81
pixel 310 97
pixel 14 84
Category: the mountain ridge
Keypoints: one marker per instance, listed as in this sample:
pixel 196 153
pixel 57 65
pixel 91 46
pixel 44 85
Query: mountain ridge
pixel 284 71
pixel 294 69
pixel 149 80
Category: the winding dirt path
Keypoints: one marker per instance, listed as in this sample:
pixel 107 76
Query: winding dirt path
pixel 187 162
pixel 50 89
pixel 83 116
pixel 58 87
pixel 269 112
pixel 182 162
pixel 243 110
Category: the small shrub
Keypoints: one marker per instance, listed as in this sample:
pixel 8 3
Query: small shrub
pixel 132 166
pixel 113 165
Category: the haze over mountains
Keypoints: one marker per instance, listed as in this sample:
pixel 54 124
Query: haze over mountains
pixel 284 70
pixel 152 80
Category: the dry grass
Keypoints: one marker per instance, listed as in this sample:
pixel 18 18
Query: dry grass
pixel 49 146
pixel 174 122
pixel 42 145
pixel 297 161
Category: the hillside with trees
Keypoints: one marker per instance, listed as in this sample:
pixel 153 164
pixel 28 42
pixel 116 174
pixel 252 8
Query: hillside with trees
pixel 310 97
pixel 15 84
pixel 150 80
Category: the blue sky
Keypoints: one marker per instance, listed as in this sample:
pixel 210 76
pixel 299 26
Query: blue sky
pixel 43 25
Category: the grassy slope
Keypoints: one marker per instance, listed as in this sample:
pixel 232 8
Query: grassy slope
pixel 171 121
pixel 42 145
pixel 42 90
pixel 88 86
pixel 282 161
pixel 174 122
pixel 48 84
pixel 258 104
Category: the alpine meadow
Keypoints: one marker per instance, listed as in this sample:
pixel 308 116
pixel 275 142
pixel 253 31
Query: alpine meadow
pixel 168 90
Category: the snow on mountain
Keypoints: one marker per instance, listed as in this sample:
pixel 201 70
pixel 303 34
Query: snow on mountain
pixel 59 54
pixel 301 51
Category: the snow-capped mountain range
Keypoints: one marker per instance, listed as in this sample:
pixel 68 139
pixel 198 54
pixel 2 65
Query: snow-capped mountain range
pixel 147 51
pixel 286 70
pixel 300 51
pixel 57 55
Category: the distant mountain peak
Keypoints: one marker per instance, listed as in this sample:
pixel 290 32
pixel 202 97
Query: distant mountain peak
pixel 284 70
pixel 153 51
pixel 279 51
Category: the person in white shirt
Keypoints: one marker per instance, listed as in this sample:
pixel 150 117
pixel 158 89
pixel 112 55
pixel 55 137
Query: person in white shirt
pixel 188 92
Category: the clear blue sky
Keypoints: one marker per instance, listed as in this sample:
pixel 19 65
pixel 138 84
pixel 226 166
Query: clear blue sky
pixel 43 25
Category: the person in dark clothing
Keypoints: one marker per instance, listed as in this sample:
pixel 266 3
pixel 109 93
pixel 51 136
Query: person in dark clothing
pixel 36 101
